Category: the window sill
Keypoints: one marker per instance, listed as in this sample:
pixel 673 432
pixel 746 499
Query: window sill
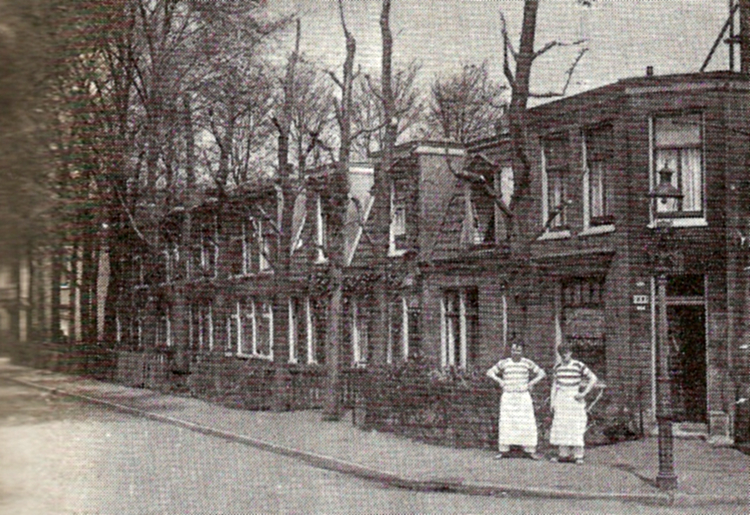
pixel 252 356
pixel 678 222
pixel 396 252
pixel 598 229
pixel 554 235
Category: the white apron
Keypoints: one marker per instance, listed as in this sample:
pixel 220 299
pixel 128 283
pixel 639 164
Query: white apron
pixel 569 422
pixel 517 422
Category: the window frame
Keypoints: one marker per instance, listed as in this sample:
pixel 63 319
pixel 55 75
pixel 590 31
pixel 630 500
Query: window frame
pixel 458 339
pixel 678 217
pixel 252 336
pixel 397 227
pixel 560 171
pixel 321 231
pixel 606 157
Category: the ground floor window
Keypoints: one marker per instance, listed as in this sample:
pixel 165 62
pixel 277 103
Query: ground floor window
pixel 361 323
pixel 302 334
pixel 459 323
pixel 138 327
pixel 163 335
pixel 256 329
pixel 398 330
pixel 582 321
pixel 203 328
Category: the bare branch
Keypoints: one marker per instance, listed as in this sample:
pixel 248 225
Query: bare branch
pixel 569 76
pixel 556 44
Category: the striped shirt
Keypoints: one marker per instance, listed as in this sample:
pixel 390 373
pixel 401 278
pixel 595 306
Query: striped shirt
pixel 571 375
pixel 516 374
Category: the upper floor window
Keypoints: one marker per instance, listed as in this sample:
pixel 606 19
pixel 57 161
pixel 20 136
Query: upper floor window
pixel 678 147
pixel 598 173
pixel 459 327
pixel 397 240
pixel 321 230
pixel 207 251
pixel 554 182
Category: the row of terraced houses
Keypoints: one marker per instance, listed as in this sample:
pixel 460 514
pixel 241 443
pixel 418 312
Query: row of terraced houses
pixel 232 311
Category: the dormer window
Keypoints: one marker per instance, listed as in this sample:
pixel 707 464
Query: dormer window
pixel 397 240
pixel 678 148
pixel 209 250
pixel 264 248
pixel 321 232
pixel 554 183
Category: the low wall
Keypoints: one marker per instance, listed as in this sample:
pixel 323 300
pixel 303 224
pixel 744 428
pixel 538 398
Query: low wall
pixel 239 383
pixel 460 409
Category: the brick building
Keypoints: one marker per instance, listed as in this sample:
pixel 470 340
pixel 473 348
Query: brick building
pixel 236 312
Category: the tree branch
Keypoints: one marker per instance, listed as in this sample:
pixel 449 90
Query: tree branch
pixel 569 76
pixel 554 44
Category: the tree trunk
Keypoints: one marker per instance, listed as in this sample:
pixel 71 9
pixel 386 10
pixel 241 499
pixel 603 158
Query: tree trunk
pixel 284 122
pixel 339 190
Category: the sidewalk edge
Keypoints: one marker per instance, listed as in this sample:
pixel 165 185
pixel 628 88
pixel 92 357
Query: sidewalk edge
pixel 364 472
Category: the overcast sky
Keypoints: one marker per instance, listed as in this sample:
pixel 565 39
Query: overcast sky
pixel 624 36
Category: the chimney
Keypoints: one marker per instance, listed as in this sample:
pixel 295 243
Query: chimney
pixel 744 36
pixel 649 71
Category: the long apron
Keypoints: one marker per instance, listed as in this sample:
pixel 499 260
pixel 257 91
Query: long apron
pixel 517 422
pixel 570 418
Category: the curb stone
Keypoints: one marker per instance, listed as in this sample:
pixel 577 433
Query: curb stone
pixel 397 481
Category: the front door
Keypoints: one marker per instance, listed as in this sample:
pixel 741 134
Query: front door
pixel 687 328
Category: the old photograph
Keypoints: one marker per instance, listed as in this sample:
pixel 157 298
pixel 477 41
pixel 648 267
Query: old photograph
pixel 374 256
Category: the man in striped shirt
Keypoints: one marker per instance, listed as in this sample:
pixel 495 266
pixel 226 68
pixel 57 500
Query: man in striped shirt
pixel 517 424
pixel 572 381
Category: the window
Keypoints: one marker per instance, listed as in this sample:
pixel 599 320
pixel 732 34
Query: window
pixel 583 320
pixel 236 235
pixel 264 247
pixel 459 327
pixel 398 331
pixel 302 334
pixel 247 246
pixel 678 147
pixel 256 331
pixel 204 330
pixel 397 240
pixel 209 250
pixel 597 190
pixel 554 179
pixel 361 330
pixel 163 336
pixel 139 322
pixel 140 273
pixel 321 231
pixel 233 329
pixel 481 212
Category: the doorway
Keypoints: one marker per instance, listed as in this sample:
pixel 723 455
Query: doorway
pixel 687 363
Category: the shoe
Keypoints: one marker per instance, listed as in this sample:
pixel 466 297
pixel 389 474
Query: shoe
pixel 578 461
pixel 534 456
pixel 500 456
pixel 555 459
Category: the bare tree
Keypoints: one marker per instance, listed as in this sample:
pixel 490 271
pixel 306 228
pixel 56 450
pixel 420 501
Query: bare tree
pixel 466 106
pixel 370 107
pixel 338 195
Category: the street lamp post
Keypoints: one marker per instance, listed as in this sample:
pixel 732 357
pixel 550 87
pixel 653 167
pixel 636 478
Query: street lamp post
pixel 665 192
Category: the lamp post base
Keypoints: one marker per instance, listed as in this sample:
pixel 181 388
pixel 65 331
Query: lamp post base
pixel 666 481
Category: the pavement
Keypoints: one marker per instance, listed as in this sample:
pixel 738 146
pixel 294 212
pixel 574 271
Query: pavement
pixel 708 475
